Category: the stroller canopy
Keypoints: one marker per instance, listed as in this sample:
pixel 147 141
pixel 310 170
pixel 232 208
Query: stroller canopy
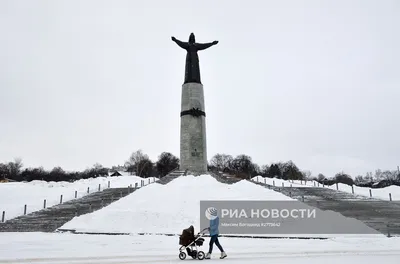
pixel 187 236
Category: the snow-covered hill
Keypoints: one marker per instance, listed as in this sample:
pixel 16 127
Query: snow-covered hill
pixel 15 195
pixel 167 208
pixel 379 193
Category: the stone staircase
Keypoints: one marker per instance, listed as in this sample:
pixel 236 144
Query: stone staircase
pixel 381 215
pixel 50 219
pixel 171 176
pixel 224 179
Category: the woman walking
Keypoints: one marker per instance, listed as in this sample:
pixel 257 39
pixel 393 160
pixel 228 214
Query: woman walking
pixel 214 232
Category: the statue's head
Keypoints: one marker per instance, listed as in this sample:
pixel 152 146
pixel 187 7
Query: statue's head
pixel 192 38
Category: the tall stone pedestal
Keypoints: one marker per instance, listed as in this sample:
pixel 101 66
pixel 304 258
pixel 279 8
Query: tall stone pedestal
pixel 193 149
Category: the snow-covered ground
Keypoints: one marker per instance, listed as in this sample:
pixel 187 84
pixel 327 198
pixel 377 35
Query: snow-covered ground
pixel 15 195
pixel 284 183
pixel 379 193
pixel 167 208
pixel 42 248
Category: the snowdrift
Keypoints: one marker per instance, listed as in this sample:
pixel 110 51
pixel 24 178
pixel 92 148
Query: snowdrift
pixel 378 193
pixel 14 195
pixel 284 183
pixel 167 208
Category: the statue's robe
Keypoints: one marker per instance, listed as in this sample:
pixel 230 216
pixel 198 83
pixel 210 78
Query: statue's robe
pixel 192 68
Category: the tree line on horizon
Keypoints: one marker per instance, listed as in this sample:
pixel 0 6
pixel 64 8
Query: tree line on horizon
pixel 138 164
pixel 240 166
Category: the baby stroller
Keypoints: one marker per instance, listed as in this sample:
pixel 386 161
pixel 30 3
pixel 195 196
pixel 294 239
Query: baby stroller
pixel 190 243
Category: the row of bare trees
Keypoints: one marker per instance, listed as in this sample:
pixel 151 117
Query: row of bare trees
pixel 10 169
pixel 141 165
pixel 378 179
pixel 241 166
pixel 13 171
pixel 137 164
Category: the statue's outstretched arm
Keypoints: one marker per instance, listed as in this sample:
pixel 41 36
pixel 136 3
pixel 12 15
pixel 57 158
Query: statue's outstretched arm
pixel 203 46
pixel 181 44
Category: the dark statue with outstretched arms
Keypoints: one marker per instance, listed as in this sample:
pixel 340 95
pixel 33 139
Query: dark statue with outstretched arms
pixel 192 68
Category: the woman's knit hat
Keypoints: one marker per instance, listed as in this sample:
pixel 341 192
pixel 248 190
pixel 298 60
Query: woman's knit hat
pixel 211 213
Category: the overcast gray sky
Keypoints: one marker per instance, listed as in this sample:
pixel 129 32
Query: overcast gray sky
pixel 315 82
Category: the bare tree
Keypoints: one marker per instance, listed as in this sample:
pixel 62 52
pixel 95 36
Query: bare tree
pixel 321 177
pixel 283 167
pixel 134 160
pixel 57 174
pixel 344 178
pixel 369 177
pixel 256 170
pixel 99 170
pixel 290 171
pixel 274 171
pixel 378 175
pixel 3 171
pixel 14 168
pixel 221 161
pixel 359 180
pixel 389 175
pixel 144 168
pixel 97 166
pixel 264 170
pixel 307 174
pixel 166 162
pixel 243 166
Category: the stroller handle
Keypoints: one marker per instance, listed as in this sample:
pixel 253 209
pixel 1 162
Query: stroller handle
pixel 202 231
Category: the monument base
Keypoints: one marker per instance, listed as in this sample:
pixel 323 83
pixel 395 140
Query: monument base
pixel 193 147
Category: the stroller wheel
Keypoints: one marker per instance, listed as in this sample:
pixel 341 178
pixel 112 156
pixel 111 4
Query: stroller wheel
pixel 182 255
pixel 201 255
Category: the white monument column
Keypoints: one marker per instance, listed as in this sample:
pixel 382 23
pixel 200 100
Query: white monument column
pixel 193 145
pixel 193 154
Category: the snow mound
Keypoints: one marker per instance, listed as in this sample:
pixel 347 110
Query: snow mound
pixel 14 195
pixel 386 193
pixel 378 193
pixel 167 208
pixel 279 182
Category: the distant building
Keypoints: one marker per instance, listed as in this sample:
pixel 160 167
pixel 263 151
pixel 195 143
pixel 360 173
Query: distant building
pixel 119 173
pixel 115 173
pixel 6 180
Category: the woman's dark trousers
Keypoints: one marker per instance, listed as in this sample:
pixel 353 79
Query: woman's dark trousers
pixel 214 239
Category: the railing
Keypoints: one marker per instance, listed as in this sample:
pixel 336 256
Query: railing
pixel 64 198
